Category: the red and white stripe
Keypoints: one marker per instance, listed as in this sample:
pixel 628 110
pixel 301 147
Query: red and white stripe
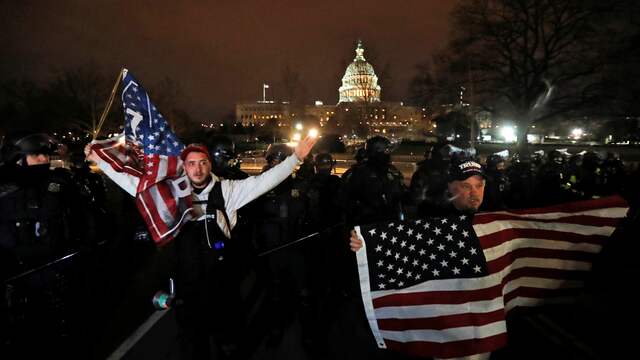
pixel 164 200
pixel 534 257
pixel 117 154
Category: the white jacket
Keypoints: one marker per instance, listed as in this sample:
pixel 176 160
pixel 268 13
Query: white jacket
pixel 236 193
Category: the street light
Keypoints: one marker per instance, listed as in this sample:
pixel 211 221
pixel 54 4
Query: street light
pixel 509 134
pixel 577 133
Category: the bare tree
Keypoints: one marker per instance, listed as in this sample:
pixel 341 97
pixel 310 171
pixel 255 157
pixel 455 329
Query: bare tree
pixel 433 86
pixel 530 59
pixel 81 94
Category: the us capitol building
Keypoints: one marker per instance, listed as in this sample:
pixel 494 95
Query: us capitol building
pixel 359 111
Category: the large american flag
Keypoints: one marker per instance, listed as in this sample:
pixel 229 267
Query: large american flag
pixel 150 151
pixel 441 287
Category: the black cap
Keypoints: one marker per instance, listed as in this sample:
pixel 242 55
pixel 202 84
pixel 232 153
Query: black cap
pixel 465 169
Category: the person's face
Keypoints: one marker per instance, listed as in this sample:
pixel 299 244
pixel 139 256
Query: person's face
pixel 468 194
pixel 198 167
pixel 37 159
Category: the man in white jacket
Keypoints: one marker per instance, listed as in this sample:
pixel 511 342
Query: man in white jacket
pixel 203 304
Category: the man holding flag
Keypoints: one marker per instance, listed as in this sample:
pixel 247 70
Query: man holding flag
pixel 180 198
pixel 441 286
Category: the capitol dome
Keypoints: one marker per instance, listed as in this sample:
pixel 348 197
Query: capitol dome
pixel 359 83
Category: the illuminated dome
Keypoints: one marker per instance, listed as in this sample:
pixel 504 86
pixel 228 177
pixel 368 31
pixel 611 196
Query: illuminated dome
pixel 359 83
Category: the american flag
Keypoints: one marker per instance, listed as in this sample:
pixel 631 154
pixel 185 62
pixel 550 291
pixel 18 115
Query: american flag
pixel 150 151
pixel 442 287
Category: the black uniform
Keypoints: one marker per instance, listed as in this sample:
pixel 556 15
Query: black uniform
pixel 497 186
pixel 553 185
pixel 522 175
pixel 373 192
pixel 428 183
pixel 279 219
pixel 324 254
pixel 43 219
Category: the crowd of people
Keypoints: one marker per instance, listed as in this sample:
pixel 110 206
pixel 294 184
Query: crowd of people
pixel 290 228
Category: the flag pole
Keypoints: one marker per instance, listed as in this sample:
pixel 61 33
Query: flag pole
pixel 108 106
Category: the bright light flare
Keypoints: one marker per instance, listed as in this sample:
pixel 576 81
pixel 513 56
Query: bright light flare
pixel 313 133
pixel 577 133
pixel 509 134
pixel 298 126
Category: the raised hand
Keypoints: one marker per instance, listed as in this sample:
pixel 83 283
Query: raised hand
pixel 304 147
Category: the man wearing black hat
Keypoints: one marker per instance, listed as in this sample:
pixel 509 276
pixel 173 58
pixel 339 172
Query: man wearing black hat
pixel 465 187
pixel 464 194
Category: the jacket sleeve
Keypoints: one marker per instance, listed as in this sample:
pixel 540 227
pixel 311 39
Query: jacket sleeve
pixel 238 193
pixel 127 182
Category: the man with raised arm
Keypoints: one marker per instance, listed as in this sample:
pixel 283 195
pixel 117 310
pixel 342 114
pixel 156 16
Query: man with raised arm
pixel 201 267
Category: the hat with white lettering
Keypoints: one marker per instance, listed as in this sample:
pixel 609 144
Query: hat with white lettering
pixel 463 170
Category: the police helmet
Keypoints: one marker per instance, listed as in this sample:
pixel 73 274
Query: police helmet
pixel 324 159
pixel 576 159
pixel 277 152
pixel 555 156
pixel 377 145
pixel 221 147
pixel 493 160
pixel 591 158
pixel 30 143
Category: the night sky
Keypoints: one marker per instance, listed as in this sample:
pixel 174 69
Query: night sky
pixel 222 51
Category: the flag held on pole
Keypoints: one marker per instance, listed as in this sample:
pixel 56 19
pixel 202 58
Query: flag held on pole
pixel 150 151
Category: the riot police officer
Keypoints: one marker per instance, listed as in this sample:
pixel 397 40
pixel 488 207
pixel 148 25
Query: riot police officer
pixel 279 219
pixel 224 162
pixel 592 174
pixel 323 205
pixel 522 176
pixel 428 182
pixel 497 184
pixel 552 182
pixel 613 174
pixel 43 219
pixel 375 191
pixel 38 205
pixel 324 253
pixel 359 157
